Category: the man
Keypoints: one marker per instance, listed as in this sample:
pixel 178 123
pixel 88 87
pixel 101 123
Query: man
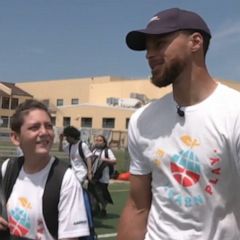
pixel 32 131
pixel 78 152
pixel 184 147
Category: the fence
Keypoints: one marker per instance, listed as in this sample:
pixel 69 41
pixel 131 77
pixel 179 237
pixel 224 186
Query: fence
pixel 117 140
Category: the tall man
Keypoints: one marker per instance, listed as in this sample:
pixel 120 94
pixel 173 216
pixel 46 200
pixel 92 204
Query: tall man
pixel 184 147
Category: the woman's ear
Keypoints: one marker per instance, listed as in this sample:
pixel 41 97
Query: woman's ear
pixel 15 138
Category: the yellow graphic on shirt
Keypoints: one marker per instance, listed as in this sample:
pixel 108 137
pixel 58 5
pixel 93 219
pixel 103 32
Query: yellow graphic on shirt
pixel 159 154
pixel 25 203
pixel 187 140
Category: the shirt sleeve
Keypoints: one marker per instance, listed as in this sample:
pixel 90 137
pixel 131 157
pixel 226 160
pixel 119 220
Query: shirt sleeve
pixel 65 147
pixel 111 156
pixel 86 151
pixel 139 164
pixel 72 213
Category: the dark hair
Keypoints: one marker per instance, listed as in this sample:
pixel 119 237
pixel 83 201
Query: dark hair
pixel 103 138
pixel 206 39
pixel 71 131
pixel 22 110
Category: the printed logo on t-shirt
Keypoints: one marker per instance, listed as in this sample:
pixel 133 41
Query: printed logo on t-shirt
pixel 186 170
pixel 185 165
pixel 19 221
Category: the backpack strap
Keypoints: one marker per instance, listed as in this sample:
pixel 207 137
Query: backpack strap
pixel 51 196
pixel 106 152
pixel 51 193
pixel 80 151
pixel 14 166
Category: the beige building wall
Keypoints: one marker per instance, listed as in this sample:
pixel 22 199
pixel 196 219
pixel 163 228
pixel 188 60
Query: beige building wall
pixel 123 88
pixel 66 89
pixel 93 93
pixel 97 113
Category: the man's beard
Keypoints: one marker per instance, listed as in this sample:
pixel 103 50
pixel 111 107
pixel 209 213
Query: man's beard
pixel 168 74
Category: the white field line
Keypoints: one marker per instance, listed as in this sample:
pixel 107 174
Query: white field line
pixel 108 235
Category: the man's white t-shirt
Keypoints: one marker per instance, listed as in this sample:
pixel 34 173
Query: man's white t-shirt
pixel 195 165
pixel 78 166
pixel 25 213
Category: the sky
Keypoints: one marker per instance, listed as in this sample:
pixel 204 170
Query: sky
pixel 61 39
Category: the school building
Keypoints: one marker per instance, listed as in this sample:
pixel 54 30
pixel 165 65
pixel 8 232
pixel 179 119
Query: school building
pixel 104 102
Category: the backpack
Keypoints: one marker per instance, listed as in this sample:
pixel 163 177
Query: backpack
pixel 101 167
pixel 80 150
pixel 51 194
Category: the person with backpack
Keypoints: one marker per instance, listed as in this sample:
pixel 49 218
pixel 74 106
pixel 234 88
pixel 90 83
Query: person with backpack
pixel 41 198
pixel 79 153
pixel 103 166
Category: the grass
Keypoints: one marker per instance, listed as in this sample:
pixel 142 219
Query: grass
pixel 108 225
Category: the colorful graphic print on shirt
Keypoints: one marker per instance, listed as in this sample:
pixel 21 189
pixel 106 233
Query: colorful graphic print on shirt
pixel 185 167
pixel 19 220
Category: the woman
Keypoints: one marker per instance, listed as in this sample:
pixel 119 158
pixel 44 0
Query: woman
pixel 103 161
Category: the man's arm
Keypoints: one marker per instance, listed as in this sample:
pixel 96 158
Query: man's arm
pixel 133 220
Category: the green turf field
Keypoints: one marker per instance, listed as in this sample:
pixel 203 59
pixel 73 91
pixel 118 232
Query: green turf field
pixel 106 227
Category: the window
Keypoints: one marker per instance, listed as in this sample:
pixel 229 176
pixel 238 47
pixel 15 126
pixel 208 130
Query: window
pixel 53 121
pixel 86 122
pixel 108 123
pixel 46 102
pixel 126 123
pixel 113 101
pixel 75 101
pixel 5 121
pixel 14 103
pixel 59 102
pixel 5 102
pixel 66 121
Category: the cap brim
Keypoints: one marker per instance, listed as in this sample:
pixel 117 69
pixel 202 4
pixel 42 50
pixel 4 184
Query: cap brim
pixel 136 40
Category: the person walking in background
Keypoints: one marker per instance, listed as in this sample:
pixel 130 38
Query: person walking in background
pixel 79 153
pixel 26 213
pixel 103 165
pixel 184 147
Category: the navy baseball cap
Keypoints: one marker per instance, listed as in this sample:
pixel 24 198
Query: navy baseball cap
pixel 164 22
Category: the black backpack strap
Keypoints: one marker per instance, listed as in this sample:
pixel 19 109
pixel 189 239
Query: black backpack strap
pixel 12 171
pixel 51 196
pixel 110 166
pixel 80 150
pixel 106 152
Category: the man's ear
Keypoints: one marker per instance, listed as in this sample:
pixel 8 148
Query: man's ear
pixel 15 138
pixel 197 41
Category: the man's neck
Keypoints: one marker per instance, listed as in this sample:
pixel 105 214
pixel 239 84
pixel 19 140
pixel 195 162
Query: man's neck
pixel 192 89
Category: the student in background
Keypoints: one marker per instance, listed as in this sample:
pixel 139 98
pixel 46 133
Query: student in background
pixel 78 152
pixel 103 165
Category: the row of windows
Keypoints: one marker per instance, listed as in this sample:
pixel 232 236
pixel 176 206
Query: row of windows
pixel 8 103
pixel 85 122
pixel 74 101
pixel 60 102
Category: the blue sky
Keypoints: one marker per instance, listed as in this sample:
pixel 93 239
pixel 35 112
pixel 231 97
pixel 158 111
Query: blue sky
pixel 58 39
